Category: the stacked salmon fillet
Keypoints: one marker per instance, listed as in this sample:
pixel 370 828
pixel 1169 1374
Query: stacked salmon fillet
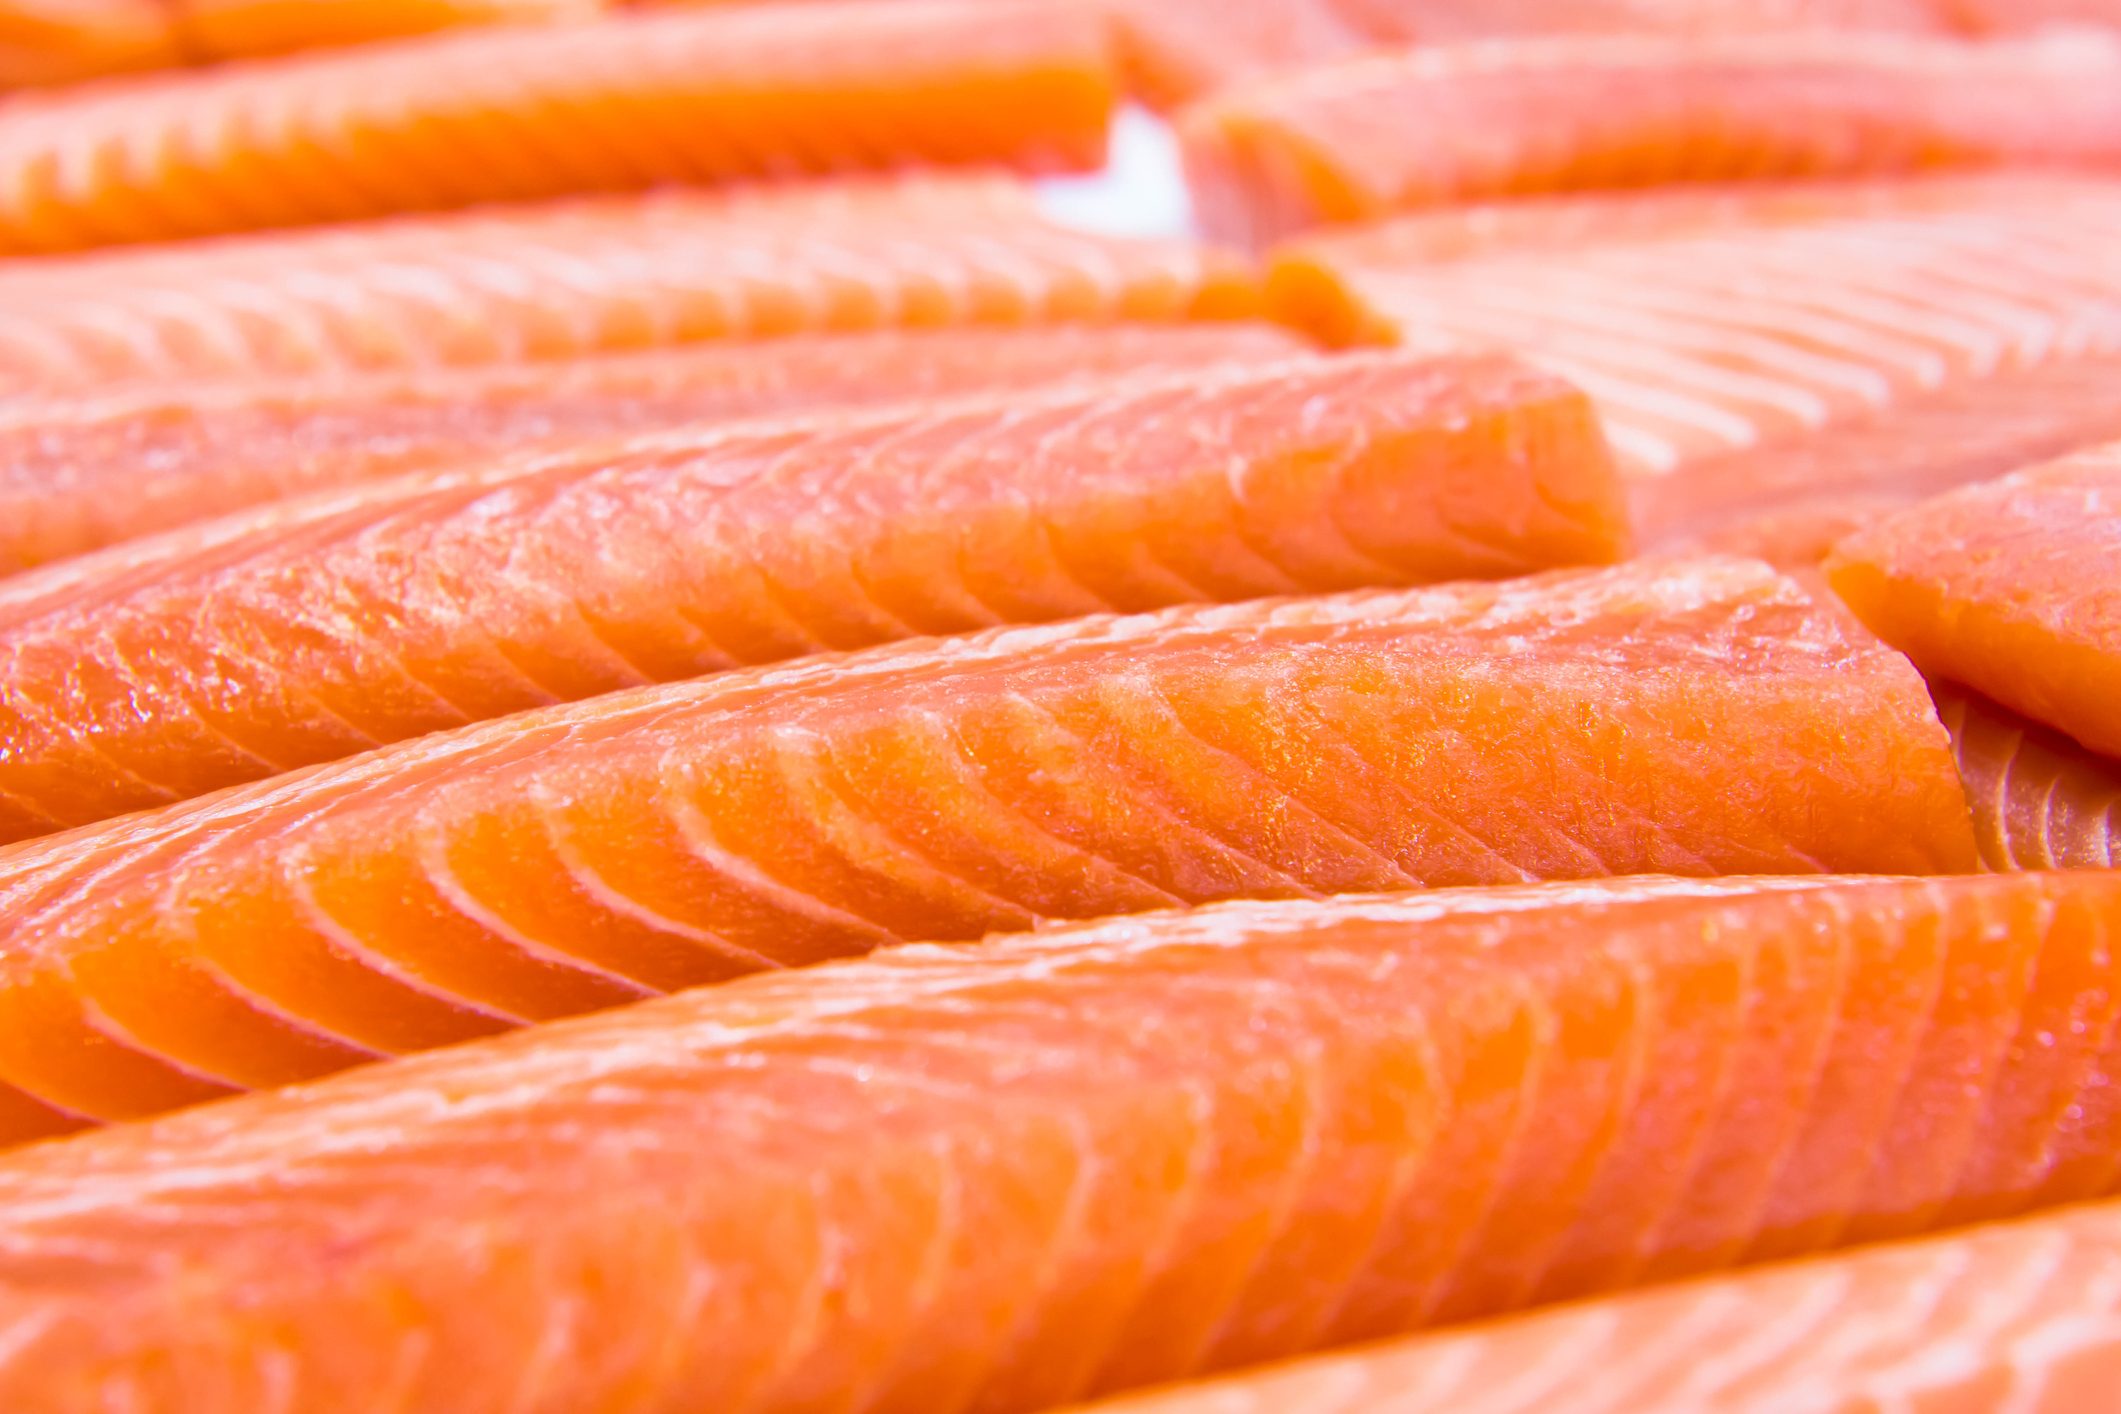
pixel 662 749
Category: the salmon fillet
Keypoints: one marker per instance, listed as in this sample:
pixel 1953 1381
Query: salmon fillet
pixel 2040 800
pixel 78 476
pixel 314 629
pixel 2019 1316
pixel 1788 369
pixel 66 41
pixel 592 276
pixel 1085 1161
pixel 1553 727
pixel 2011 587
pixel 510 114
pixel 1432 126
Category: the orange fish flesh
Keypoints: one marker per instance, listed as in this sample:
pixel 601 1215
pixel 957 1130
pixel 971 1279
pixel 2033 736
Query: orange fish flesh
pixel 1436 125
pixel 1773 365
pixel 1082 1162
pixel 2040 800
pixel 309 630
pixel 592 276
pixel 1562 726
pixel 77 476
pixel 512 114
pixel 2019 1316
pixel 2010 587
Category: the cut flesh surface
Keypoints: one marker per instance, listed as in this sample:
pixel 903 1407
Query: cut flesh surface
pixel 309 630
pixel 1561 726
pixel 1077 1163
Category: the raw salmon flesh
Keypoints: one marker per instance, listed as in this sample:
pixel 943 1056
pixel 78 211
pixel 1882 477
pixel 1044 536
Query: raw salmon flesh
pixel 1556 727
pixel 488 114
pixel 313 629
pixel 596 275
pixel 1071 1164
pixel 77 476
pixel 1429 126
pixel 675 736
pixel 2040 801
pixel 2010 587
pixel 1775 366
pixel 65 41
pixel 2020 1316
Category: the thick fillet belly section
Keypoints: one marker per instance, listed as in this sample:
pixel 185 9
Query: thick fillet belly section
pixel 313 629
pixel 1435 125
pixel 2040 801
pixel 1569 725
pixel 78 475
pixel 596 275
pixel 2011 587
pixel 1098 1158
pixel 2020 1315
pixel 505 114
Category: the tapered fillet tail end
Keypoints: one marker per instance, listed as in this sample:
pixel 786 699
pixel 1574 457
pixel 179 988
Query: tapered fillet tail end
pixel 1254 183
pixel 1305 292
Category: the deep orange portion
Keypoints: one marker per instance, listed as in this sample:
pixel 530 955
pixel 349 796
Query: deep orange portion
pixel 2012 587
pixel 241 29
pixel 2026 1309
pixel 77 476
pixel 66 41
pixel 1555 727
pixel 59 41
pixel 313 629
pixel 1007 1176
pixel 566 279
pixel 2040 800
pixel 512 114
pixel 1434 125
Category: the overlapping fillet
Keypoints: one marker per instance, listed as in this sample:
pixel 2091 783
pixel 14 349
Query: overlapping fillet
pixel 1562 726
pixel 1435 125
pixel 507 114
pixel 1791 502
pixel 2011 587
pixel 2040 801
pixel 1081 1162
pixel 309 630
pixel 600 275
pixel 1798 359
pixel 66 41
pixel 77 476
pixel 2020 1316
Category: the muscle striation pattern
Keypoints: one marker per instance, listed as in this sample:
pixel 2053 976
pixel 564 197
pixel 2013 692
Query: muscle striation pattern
pixel 1560 726
pixel 75 476
pixel 2021 1316
pixel 1792 360
pixel 592 276
pixel 1077 1163
pixel 2011 587
pixel 2040 800
pixel 313 629
pixel 517 114
pixel 1433 125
